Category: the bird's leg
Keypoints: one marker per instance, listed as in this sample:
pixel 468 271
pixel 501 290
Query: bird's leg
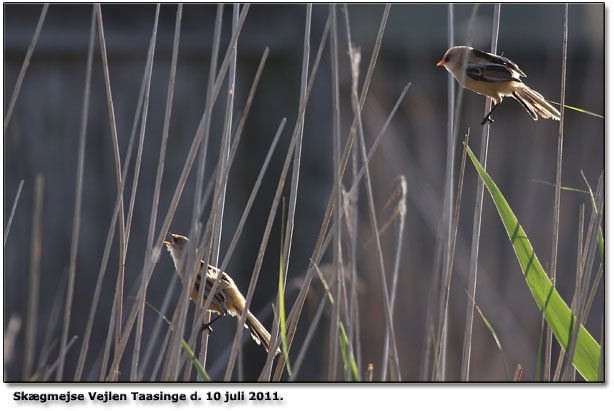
pixel 208 325
pixel 487 118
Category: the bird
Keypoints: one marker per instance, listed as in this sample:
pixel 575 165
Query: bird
pixel 227 299
pixel 496 77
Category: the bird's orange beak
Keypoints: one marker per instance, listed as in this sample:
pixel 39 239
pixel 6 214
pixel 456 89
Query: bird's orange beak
pixel 167 242
pixel 441 63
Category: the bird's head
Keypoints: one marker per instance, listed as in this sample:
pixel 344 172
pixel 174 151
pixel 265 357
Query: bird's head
pixel 176 245
pixel 454 56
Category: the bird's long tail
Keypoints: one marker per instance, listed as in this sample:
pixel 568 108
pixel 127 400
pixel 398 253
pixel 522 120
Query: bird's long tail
pixel 534 103
pixel 259 333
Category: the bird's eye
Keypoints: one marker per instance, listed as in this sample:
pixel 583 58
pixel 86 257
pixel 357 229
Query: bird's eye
pixel 446 59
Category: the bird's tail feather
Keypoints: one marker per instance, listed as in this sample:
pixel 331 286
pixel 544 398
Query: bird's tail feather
pixel 534 103
pixel 258 332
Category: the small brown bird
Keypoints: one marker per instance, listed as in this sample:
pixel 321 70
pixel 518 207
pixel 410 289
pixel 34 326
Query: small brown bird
pixel 496 77
pixel 227 299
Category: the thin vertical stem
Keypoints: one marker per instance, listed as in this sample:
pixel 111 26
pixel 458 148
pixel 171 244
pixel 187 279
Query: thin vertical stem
pixel 589 253
pixel 198 206
pixel 34 277
pixel 296 167
pixel 449 194
pixel 139 152
pixel 78 195
pixel 49 339
pixel 436 294
pixel 439 360
pixel 299 144
pixel 163 145
pixel 222 181
pixel 165 129
pixel 450 258
pixel 313 325
pixel 337 263
pixel 477 219
pixel 451 151
pixel 401 211
pixel 166 302
pixel 10 220
pixel 137 166
pixel 355 61
pixel 119 183
pixel 557 195
pixel 25 65
pixel 576 304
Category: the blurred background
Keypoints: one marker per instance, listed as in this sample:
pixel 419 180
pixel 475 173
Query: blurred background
pixel 42 138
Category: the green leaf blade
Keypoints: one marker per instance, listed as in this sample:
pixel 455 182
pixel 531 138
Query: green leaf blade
pixel 348 357
pixel 555 310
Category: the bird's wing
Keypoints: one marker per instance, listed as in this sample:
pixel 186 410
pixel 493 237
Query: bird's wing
pixel 219 298
pixel 499 60
pixel 490 72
